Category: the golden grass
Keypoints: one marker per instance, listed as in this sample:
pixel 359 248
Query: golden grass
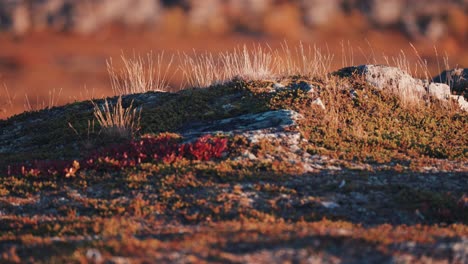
pixel 52 101
pixel 116 120
pixel 139 74
pixel 7 103
pixel 201 70
pixel 304 61
pixel 257 63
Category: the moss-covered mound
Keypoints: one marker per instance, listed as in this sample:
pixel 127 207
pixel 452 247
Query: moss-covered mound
pixel 304 170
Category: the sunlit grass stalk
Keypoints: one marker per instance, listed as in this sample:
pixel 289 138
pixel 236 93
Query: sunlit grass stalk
pixel 139 74
pixel 305 61
pixel 52 101
pixel 201 70
pixel 7 103
pixel 116 120
pixel 255 64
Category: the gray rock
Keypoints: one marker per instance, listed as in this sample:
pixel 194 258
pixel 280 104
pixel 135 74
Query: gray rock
pixel 411 89
pixel 457 79
pixel 278 87
pixel 249 155
pixel 319 103
pixel 94 255
pixel 305 87
pixel 440 91
pixel 329 204
pixel 271 120
pixel 461 101
pixel 392 78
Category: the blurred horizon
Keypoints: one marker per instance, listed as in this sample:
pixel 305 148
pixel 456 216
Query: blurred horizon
pixel 47 46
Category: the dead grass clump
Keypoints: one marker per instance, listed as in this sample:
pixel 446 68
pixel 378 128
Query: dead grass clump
pixel 116 120
pixel 305 61
pixel 139 74
pixel 201 70
pixel 255 64
pixel 52 101
pixel 207 69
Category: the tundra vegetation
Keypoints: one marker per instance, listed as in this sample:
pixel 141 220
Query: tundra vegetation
pixel 267 156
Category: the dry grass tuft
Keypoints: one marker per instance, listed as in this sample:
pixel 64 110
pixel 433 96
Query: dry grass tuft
pixel 201 70
pixel 258 63
pixel 7 100
pixel 255 64
pixel 52 101
pixel 304 61
pixel 118 121
pixel 206 69
pixel 139 74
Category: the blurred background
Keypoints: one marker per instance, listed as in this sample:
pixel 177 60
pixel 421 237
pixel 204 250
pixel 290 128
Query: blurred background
pixel 55 51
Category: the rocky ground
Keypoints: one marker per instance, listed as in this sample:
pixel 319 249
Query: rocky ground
pixel 364 165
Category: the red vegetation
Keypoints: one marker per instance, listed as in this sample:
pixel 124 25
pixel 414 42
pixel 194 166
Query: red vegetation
pixel 164 147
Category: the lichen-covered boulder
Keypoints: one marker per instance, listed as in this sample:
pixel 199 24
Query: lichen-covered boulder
pixel 386 77
pixel 411 89
pixel 276 120
pixel 389 78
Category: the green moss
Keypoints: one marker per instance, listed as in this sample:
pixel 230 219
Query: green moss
pixel 201 105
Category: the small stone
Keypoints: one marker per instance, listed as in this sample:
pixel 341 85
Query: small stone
pixel 421 216
pixel 278 86
pixel 462 103
pixel 249 155
pixel 228 107
pixel 333 168
pixel 308 168
pixel 319 103
pixel 329 205
pixel 94 255
pixel 305 87
pixel 342 184
pixel 119 260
